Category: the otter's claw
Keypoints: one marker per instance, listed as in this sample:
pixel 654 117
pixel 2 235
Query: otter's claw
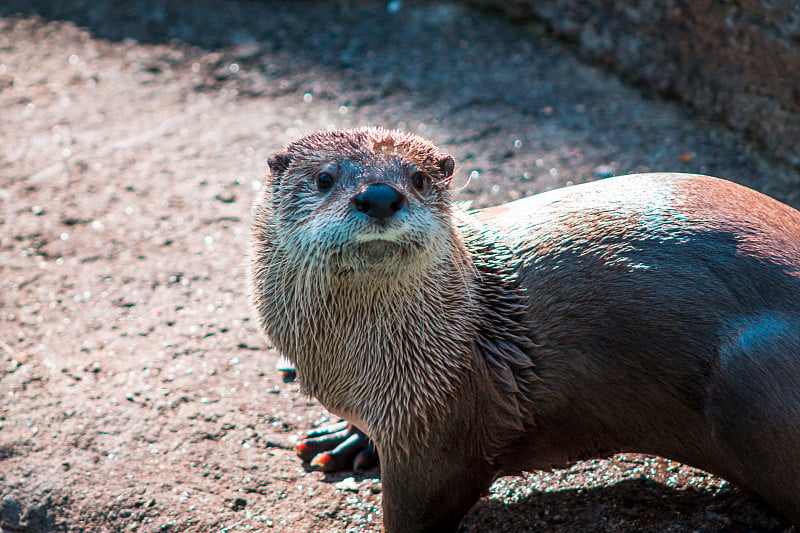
pixel 340 446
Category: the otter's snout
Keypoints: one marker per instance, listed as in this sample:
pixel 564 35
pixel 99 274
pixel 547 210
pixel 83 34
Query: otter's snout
pixel 379 201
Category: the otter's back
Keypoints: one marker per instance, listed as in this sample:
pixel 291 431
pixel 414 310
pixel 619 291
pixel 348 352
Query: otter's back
pixel 649 218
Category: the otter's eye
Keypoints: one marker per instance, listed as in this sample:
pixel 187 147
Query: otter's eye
pixel 324 182
pixel 419 180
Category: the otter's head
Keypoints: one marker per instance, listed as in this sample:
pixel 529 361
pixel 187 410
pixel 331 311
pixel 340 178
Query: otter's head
pixel 360 201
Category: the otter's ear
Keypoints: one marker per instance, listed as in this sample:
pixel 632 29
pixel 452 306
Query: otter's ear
pixel 447 165
pixel 278 163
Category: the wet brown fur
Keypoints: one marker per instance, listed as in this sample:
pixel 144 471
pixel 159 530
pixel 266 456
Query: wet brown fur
pixel 652 313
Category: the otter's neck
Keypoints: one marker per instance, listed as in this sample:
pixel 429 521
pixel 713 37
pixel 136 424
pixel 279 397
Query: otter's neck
pixel 385 351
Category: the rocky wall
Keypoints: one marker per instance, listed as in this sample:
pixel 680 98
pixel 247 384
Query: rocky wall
pixel 735 61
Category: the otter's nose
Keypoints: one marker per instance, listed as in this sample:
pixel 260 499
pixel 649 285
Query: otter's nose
pixel 378 201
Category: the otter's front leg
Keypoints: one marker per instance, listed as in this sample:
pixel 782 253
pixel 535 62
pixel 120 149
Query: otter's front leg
pixel 431 490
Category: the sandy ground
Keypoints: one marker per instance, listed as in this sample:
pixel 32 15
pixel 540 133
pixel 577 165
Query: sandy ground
pixel 135 392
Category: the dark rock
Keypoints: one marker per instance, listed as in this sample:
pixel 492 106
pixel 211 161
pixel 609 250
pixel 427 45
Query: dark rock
pixel 33 517
pixel 239 504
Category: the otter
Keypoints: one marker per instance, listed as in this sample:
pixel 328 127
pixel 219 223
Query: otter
pixel 653 313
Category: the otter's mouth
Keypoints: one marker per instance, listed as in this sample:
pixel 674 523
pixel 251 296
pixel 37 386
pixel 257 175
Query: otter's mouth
pixel 377 250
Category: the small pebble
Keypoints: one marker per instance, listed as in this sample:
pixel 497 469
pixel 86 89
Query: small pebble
pixel 348 483
pixel 604 171
pixel 226 197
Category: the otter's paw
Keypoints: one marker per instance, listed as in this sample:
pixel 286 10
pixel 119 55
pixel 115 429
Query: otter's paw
pixel 340 446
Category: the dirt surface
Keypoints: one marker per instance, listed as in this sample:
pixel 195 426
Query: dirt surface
pixel 135 391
